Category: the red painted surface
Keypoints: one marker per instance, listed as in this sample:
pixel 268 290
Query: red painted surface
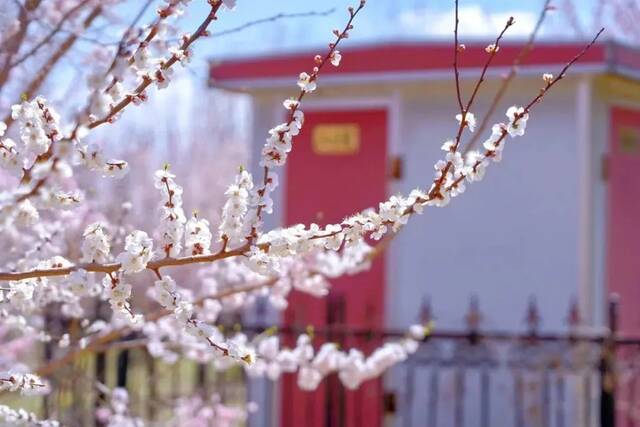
pixel 339 185
pixel 409 57
pixel 623 269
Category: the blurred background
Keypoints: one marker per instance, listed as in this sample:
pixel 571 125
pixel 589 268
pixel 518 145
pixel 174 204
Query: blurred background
pixel 523 278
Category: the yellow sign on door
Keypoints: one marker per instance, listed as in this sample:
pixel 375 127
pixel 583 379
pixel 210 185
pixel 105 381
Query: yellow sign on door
pixel 629 140
pixel 336 139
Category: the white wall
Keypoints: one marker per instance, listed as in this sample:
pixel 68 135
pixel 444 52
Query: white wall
pixel 508 237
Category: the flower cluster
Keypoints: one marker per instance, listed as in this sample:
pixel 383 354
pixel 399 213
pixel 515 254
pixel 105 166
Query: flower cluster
pixel 96 245
pixel 235 225
pixel 93 158
pixel 197 237
pixel 10 158
pixel 280 140
pixel 196 412
pixel 116 414
pixel 172 217
pixel 118 293
pixel 24 383
pixel 20 417
pixel 138 251
pixel 38 125
pixel 352 367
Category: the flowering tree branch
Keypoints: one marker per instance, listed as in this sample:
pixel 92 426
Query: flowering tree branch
pixel 46 68
pixel 242 261
pixel 504 85
pixel 55 30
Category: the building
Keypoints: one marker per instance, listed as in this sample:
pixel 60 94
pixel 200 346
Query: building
pixel 556 220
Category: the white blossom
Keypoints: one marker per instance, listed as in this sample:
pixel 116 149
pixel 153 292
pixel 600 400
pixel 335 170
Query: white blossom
pixel 469 120
pixel 336 58
pixel 138 252
pixel 197 237
pixel 96 245
pixel 517 121
pixel 306 82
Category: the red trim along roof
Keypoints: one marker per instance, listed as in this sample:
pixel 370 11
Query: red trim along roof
pixel 418 59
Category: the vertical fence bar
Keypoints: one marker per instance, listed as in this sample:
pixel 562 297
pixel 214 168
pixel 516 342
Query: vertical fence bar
pixel 560 407
pixel 588 416
pixel 546 396
pixel 607 367
pixel 519 398
pixel 459 396
pixel 433 396
pixel 409 392
pixel 485 396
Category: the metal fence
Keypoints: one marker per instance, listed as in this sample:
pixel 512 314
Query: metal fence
pixel 456 378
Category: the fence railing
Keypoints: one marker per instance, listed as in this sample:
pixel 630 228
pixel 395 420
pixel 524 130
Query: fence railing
pixel 456 378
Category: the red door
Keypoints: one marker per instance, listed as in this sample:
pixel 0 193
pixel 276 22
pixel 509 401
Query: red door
pixel 623 272
pixel 337 167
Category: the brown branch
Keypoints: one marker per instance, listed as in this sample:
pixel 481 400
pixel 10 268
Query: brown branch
pixel 168 262
pixel 8 120
pixel 456 49
pixel 530 105
pixel 55 30
pixel 15 42
pixel 146 82
pixel 99 342
pixel 127 32
pixel 507 80
pixel 66 45
pixel 436 189
pixel 273 18
pixel 320 63
pixel 112 267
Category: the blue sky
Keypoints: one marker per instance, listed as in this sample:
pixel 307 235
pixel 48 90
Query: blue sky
pixel 381 19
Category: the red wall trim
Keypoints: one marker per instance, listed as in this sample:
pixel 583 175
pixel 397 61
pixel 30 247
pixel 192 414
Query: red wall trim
pixel 408 57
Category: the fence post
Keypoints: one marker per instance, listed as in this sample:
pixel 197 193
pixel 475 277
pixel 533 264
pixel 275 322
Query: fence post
pixel 607 368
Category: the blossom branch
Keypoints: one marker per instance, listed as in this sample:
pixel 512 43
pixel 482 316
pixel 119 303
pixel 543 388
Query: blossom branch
pixel 55 30
pixel 113 267
pixel 200 32
pixel 522 113
pixel 46 68
pixel 507 80
pixel 307 83
pixel 94 345
pixel 464 116
pixel 12 46
pixel 456 50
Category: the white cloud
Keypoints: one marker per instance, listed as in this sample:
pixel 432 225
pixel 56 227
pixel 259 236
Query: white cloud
pixel 474 22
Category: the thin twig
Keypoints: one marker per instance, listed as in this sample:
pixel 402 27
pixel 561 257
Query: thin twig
pixel 112 267
pixel 526 109
pixel 14 44
pixel 55 30
pixel 507 80
pixel 313 77
pixel 46 68
pixel 97 343
pixel 146 82
pixel 456 49
pixel 273 19
pixel 435 191
pixel 246 25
